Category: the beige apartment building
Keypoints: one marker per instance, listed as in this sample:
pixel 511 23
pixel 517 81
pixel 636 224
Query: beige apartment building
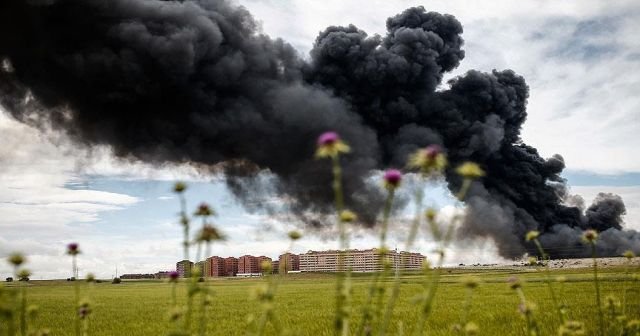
pixel 359 260
pixel 183 268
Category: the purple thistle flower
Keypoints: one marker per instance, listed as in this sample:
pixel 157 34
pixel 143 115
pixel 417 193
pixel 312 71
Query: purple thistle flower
pixel 83 312
pixel 328 138
pixel 432 151
pixel 173 276
pixel 392 178
pixel 204 210
pixel 72 249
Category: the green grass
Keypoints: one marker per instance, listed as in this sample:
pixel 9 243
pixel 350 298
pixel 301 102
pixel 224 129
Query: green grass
pixel 305 303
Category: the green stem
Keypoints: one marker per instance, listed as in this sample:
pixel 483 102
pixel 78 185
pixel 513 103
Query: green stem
pixel 184 220
pixel 531 326
pixel 85 326
pixel 432 288
pixel 366 318
pixel 467 307
pixel 76 289
pixel 466 183
pixel 546 258
pixel 624 286
pixel 597 285
pixel 23 309
pixel 343 276
pixel 203 302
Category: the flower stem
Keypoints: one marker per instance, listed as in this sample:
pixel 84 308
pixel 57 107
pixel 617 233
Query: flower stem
pixel 547 272
pixel 204 293
pixel 597 285
pixel 76 289
pixel 624 286
pixel 467 307
pixel 366 318
pixel 343 276
pixel 185 224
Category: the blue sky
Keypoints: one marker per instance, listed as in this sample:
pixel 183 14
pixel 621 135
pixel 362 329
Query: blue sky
pixel 580 59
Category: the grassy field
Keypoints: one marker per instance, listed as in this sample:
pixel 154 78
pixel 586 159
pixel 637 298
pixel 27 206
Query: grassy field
pixel 305 303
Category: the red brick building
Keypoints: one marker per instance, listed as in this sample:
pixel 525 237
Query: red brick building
pixel 248 264
pixel 230 266
pixel 214 267
pixel 289 262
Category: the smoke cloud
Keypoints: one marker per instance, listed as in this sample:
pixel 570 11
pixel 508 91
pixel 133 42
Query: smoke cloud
pixel 197 82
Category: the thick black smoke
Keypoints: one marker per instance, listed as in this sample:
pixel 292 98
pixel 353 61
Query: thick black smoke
pixel 195 82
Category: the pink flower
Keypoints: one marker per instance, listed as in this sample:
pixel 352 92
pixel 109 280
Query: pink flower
pixel 432 151
pixel 72 249
pixel 330 145
pixel 328 138
pixel 392 178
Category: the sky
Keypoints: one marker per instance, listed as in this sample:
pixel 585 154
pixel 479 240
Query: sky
pixel 581 60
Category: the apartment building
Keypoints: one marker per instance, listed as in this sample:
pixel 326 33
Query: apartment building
pixel 288 262
pixel 358 260
pixel 230 266
pixel 184 268
pixel 248 264
pixel 214 267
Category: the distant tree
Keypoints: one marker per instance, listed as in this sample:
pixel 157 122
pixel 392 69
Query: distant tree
pixel 9 279
pixel 116 281
pixel 24 279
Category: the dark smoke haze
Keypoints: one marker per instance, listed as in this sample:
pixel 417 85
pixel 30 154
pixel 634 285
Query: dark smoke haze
pixel 196 82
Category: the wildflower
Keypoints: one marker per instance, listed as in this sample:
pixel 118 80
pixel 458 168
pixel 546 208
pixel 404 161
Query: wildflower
pixel 533 261
pixel 84 309
pixel 204 210
pixel 24 274
pixel 431 214
pixel 173 276
pixel 571 328
pixel 532 235
pixel 428 160
pixel 294 235
pixel 209 233
pixel 91 277
pixel 330 145
pixel 266 266
pixel 628 254
pixel 392 178
pixel 72 249
pixel 348 216
pixel 16 259
pixel 470 282
pixel 590 236
pixel 179 187
pixel 471 329
pixel 470 170
pixel 514 282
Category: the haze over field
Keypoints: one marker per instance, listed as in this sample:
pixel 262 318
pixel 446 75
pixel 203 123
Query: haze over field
pixel 142 88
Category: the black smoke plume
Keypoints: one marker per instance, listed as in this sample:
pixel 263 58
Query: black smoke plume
pixel 196 82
